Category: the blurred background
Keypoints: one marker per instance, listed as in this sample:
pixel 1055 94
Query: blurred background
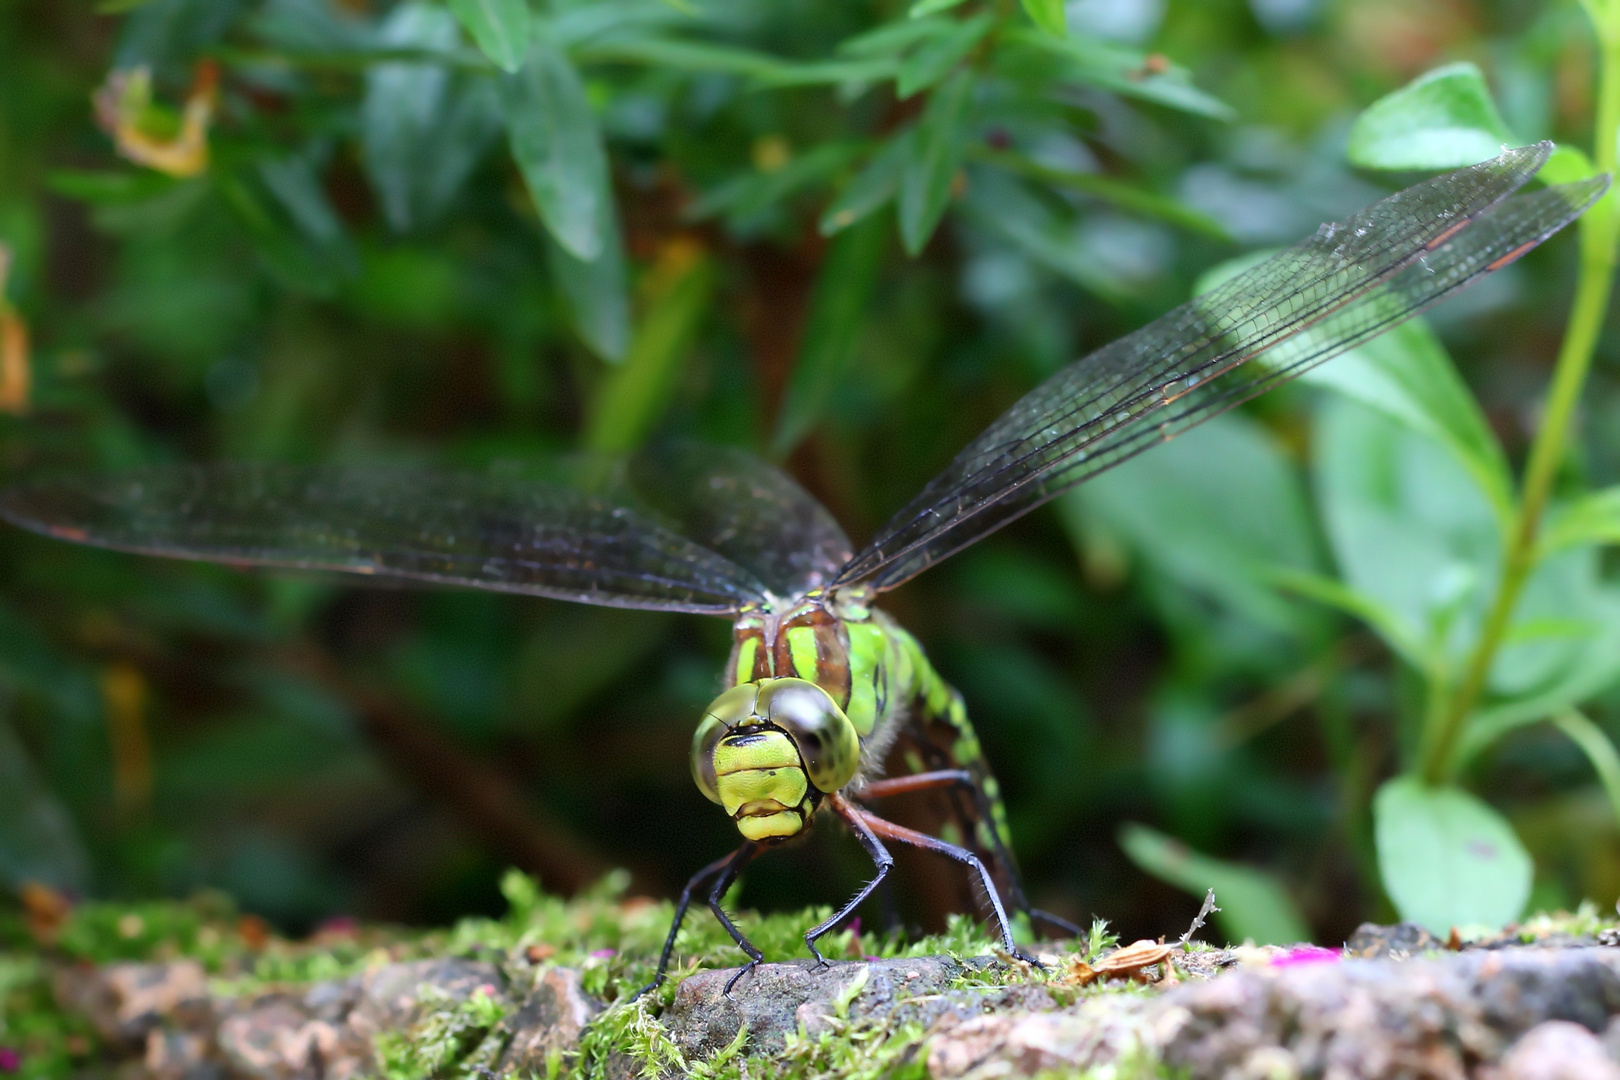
pixel 313 243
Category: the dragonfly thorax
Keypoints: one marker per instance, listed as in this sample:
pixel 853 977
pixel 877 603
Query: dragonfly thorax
pixel 768 750
pixel 806 639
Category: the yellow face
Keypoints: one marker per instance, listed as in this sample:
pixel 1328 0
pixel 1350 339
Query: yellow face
pixel 767 751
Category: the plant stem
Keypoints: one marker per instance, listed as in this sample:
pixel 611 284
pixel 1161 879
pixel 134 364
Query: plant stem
pixel 1597 231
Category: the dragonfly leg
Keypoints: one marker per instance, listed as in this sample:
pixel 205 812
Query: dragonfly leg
pixel 738 860
pixel 962 778
pixel 880 855
pixel 692 885
pixel 900 834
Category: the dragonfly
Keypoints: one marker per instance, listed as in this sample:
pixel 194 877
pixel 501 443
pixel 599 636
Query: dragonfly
pixel 823 692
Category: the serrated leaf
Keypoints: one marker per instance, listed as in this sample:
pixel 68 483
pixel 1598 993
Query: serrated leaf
pixel 1446 858
pixel 1254 905
pixel 872 187
pixel 558 148
pixel 500 27
pixel 1443 119
pixel 1049 16
pixel 933 59
pixel 843 290
pixel 936 154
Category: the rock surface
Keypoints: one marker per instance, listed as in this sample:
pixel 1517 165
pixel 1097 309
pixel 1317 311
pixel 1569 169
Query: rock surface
pixel 1499 1012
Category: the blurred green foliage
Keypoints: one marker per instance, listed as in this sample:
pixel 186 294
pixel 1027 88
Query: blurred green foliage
pixel 839 235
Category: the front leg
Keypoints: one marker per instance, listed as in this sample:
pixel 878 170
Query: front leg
pixel 697 879
pixel 880 855
pixel 964 780
pixel 722 883
pixel 901 834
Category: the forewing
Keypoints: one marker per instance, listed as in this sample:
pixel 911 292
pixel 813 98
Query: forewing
pixel 484 531
pixel 1345 284
pixel 752 513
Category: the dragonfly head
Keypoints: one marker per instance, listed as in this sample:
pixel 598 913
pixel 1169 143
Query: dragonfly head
pixel 768 751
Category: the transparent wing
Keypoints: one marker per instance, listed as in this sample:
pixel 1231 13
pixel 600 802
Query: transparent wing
pixel 752 513
pixel 503 533
pixel 1345 284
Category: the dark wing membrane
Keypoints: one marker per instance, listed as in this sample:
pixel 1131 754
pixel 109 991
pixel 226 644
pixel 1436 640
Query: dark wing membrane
pixel 483 531
pixel 752 513
pixel 1347 283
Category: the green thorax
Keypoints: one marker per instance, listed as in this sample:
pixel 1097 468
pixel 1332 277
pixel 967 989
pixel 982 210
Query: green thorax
pixel 865 661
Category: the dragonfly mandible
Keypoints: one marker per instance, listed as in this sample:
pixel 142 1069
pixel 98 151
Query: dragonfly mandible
pixel 822 687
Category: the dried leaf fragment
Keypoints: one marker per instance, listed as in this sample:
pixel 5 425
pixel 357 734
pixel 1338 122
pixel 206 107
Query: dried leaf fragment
pixel 150 135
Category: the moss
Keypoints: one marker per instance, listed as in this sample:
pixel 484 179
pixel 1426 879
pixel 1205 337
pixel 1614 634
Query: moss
pixel 452 1042
pixel 40 1039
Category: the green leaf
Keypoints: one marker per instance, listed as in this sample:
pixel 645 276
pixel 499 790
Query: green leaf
pixel 1446 858
pixel 38 840
pixel 596 293
pixel 1004 206
pixel 891 39
pixel 1599 750
pixel 1538 675
pixel 1443 119
pixel 166 34
pixel 557 146
pixel 1409 526
pixel 762 67
pixel 934 59
pixel 630 403
pixel 1566 165
pixel 500 27
pixel 1126 196
pixel 843 290
pixel 1406 374
pixel 930 7
pixel 1254 905
pixel 111 188
pixel 1207 483
pixel 936 154
pixel 1594 518
pixel 1388 624
pixel 872 187
pixel 1123 71
pixel 745 198
pixel 1049 16
pixel 403 111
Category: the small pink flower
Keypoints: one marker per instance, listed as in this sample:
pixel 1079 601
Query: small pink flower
pixel 1307 954
pixel 602 954
pixel 10 1060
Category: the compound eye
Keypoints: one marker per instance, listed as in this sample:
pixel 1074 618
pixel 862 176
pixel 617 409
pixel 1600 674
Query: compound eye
pixel 731 709
pixel 828 745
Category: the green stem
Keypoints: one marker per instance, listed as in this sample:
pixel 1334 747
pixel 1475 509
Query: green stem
pixel 1597 229
pixel 1595 744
